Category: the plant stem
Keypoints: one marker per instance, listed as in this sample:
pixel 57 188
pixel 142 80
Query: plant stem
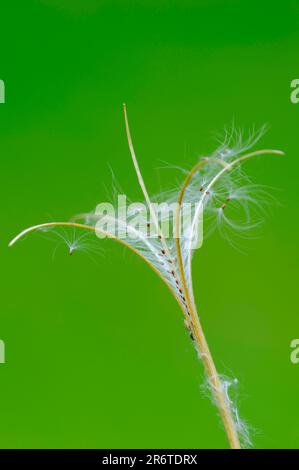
pixel 199 337
pixel 213 378
pixel 209 365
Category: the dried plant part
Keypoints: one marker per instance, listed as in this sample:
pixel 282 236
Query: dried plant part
pixel 215 184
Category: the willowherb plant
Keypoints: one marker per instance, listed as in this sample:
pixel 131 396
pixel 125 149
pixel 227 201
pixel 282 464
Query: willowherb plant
pixel 214 185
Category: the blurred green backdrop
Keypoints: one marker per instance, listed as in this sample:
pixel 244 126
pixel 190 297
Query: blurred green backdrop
pixel 96 351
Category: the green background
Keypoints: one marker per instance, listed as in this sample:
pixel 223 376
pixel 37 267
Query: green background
pixel 96 351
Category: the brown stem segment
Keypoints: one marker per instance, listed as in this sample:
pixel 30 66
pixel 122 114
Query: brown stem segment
pixel 199 337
